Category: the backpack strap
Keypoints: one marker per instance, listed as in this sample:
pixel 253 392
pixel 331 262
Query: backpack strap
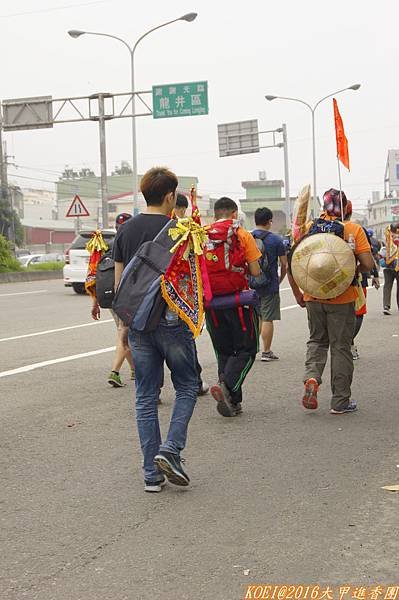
pixel 240 312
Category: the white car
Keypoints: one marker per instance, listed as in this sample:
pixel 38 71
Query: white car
pixel 35 259
pixel 77 259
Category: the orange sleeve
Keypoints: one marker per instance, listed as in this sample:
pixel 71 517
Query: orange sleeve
pixel 251 250
pixel 361 242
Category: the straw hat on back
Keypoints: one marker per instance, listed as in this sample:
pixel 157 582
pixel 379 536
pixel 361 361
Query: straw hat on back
pixel 323 265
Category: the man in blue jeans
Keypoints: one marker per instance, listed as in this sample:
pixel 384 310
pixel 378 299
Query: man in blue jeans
pixel 171 342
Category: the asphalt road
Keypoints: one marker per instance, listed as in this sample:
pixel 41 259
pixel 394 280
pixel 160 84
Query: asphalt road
pixel 278 495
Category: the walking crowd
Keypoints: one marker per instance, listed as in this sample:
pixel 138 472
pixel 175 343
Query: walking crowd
pixel 235 279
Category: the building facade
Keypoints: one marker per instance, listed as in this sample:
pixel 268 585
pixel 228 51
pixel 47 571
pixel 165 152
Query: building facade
pixel 382 212
pixel 269 192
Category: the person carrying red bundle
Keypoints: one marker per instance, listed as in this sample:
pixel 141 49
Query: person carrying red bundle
pixel 230 254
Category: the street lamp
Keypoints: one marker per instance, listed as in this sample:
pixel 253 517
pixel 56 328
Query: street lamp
pixel 75 33
pixel 312 109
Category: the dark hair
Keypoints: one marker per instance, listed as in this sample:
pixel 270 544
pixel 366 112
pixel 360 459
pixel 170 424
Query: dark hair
pixel 394 227
pixel 263 216
pixel 156 183
pixel 224 207
pixel 181 201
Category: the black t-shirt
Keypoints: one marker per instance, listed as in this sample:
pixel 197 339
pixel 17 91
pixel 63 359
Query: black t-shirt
pixel 135 231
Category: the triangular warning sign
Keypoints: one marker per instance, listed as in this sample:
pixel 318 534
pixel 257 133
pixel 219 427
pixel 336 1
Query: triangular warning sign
pixel 77 208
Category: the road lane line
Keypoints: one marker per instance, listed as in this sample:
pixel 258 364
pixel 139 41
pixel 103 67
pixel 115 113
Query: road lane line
pixel 26 335
pixel 289 307
pixel 55 361
pixel 23 293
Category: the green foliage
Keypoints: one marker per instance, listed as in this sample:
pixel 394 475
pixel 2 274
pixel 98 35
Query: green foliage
pixel 7 261
pixel 7 217
pixel 49 266
pixel 19 231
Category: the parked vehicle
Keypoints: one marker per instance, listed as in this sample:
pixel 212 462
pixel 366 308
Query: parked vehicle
pixel 34 259
pixel 77 259
pixel 21 252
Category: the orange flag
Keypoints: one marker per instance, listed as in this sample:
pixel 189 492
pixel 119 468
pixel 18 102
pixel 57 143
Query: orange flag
pixel 342 142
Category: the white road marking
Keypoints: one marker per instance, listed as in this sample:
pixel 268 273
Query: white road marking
pixel 55 361
pixel 26 335
pixel 23 293
pixel 289 307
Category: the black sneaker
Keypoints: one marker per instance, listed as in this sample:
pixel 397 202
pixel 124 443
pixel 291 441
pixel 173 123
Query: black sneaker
pixel 170 465
pixel 387 310
pixel 154 486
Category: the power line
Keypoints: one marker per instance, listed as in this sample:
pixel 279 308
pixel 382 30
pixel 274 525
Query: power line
pixel 45 10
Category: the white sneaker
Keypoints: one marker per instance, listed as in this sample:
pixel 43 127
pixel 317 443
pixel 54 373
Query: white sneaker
pixel 268 356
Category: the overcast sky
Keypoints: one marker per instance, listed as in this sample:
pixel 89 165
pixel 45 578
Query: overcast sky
pixel 305 49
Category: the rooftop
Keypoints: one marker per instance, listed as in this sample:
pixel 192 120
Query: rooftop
pixel 261 183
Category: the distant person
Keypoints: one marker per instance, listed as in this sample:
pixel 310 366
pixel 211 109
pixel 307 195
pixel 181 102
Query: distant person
pixel 121 354
pixel 389 270
pixel 268 289
pixel 179 212
pixel 181 207
pixel 361 307
pixel 375 244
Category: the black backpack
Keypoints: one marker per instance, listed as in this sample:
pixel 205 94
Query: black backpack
pixel 105 280
pixel 138 300
pixel 265 277
pixel 325 226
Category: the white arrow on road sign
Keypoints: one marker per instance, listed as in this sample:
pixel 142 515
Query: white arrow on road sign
pixel 77 208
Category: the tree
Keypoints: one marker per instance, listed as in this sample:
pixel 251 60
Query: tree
pixel 7 261
pixel 5 217
pixel 9 217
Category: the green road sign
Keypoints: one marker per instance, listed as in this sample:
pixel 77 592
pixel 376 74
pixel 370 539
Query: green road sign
pixel 180 99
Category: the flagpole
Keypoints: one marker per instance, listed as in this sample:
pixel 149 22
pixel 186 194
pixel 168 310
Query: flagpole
pixel 340 188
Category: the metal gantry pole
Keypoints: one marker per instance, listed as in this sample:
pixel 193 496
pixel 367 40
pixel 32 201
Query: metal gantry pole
pixel 103 161
pixel 286 176
pixel 4 189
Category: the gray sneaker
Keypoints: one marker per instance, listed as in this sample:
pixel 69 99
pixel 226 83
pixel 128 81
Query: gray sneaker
pixel 269 356
pixel 352 407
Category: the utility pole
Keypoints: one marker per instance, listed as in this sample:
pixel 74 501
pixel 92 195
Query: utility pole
pixel 5 192
pixel 286 177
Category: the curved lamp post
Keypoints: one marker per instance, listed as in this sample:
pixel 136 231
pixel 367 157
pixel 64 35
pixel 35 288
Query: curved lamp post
pixel 312 109
pixel 76 33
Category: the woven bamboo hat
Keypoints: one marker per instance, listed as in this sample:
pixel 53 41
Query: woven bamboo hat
pixel 323 265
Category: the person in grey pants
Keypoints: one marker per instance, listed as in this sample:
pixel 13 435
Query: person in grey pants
pixel 331 321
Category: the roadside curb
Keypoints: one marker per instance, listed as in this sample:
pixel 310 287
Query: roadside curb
pixel 17 276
